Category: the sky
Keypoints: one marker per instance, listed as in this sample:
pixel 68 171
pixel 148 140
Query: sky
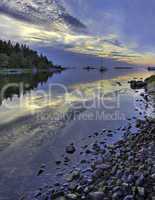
pixel 115 30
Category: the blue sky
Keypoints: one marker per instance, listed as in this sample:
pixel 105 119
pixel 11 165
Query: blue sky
pixel 121 30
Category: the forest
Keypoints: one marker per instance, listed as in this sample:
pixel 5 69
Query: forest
pixel 21 56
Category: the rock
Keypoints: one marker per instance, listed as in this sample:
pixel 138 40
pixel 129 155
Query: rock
pixel 71 196
pixel 103 166
pixel 139 123
pixel 140 181
pixel 42 169
pixel 153 176
pixel 88 151
pixel 117 188
pixel 98 173
pixel 141 191
pixel 70 149
pixel 130 178
pixel 83 161
pixel 61 198
pixel 57 195
pixel 40 172
pixel 129 197
pixel 74 175
pixel 72 186
pixel 37 193
pixel 58 162
pixel 137 84
pixel 66 159
pixel 96 196
pixel 117 195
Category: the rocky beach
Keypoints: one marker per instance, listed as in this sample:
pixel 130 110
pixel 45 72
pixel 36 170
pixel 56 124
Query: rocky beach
pixel 124 170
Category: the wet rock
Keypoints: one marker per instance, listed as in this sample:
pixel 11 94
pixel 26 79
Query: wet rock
pixel 37 193
pixel 139 123
pixel 99 170
pixel 129 197
pixel 57 195
pixel 96 133
pixel 60 198
pixel 153 176
pixel 83 161
pixel 40 172
pixel 71 196
pixel 96 196
pixel 130 179
pixel 88 151
pixel 58 162
pixel 141 191
pixel 117 195
pixel 42 169
pixel 72 176
pixel 66 159
pixel 70 149
pixel 137 84
pixel 140 181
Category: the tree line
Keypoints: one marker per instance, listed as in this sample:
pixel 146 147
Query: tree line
pixel 21 56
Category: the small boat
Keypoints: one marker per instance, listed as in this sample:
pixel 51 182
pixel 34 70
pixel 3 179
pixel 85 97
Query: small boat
pixel 89 68
pixel 103 69
pixel 151 68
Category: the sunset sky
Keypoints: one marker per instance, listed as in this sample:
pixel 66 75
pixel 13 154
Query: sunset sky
pixel 121 30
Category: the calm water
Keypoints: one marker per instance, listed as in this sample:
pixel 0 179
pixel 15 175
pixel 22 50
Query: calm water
pixel 41 114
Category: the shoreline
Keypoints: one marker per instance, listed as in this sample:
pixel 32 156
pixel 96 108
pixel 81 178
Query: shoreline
pixel 124 170
pixel 7 71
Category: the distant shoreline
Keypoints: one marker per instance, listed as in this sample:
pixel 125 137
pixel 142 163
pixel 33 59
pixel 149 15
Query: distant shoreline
pixel 7 71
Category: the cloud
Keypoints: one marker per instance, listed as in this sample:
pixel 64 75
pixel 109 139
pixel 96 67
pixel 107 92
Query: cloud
pixel 45 12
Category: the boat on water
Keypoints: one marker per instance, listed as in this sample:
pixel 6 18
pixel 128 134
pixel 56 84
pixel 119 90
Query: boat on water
pixel 103 69
pixel 89 68
pixel 151 68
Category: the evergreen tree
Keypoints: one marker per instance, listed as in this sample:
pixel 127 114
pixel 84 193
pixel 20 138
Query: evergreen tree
pixel 21 56
pixel 4 60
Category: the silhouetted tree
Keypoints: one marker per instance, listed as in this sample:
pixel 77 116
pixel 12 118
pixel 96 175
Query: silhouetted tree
pixel 21 56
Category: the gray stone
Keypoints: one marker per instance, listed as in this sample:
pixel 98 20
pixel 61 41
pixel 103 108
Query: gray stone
pixel 141 191
pixel 140 181
pixel 153 176
pixel 117 195
pixel 72 196
pixel 129 197
pixel 96 196
pixel 70 149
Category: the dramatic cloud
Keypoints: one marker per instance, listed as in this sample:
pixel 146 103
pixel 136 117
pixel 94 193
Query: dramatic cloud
pixel 43 12
pixel 121 30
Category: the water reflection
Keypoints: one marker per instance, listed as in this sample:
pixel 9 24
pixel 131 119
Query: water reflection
pixel 15 84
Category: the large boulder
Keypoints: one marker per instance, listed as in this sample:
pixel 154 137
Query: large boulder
pixel 137 84
pixel 151 95
pixel 150 84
